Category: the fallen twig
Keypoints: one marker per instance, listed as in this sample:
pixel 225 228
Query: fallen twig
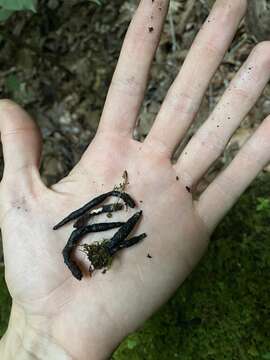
pixel 185 16
pixel 174 43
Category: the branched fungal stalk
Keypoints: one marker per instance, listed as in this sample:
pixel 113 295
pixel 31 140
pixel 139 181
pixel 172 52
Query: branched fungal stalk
pixel 74 239
pixel 100 254
pixel 123 233
pixel 82 221
pixel 93 203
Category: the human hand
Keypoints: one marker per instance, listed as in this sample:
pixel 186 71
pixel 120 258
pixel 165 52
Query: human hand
pixel 88 318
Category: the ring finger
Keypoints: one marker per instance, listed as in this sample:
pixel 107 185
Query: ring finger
pixel 210 140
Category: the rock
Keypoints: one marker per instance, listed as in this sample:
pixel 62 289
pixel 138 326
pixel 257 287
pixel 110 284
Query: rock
pixel 53 4
pixel 65 118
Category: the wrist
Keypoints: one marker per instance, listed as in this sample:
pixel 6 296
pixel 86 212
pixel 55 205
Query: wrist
pixel 23 342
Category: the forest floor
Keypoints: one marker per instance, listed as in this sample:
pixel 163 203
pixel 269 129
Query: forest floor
pixel 58 64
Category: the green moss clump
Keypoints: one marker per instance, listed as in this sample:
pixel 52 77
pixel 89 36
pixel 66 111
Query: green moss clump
pixel 222 311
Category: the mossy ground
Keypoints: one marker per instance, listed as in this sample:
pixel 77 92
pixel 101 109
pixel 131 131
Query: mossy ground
pixel 222 311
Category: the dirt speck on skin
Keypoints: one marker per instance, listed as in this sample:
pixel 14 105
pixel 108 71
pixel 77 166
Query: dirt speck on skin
pixel 20 204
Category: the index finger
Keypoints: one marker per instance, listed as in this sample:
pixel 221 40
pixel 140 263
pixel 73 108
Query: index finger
pixel 130 78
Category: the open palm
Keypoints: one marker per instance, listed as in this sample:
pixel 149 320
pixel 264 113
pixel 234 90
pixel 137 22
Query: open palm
pixel 89 318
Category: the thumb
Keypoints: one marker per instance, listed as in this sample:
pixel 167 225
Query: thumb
pixel 21 141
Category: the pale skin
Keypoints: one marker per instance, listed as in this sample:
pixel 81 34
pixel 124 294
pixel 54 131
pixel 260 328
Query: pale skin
pixel 53 314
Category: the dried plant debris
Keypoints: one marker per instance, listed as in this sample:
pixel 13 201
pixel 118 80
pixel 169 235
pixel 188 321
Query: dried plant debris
pixel 122 186
pixel 100 254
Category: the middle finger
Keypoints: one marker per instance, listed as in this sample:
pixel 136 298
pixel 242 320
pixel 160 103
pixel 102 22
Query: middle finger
pixel 185 95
